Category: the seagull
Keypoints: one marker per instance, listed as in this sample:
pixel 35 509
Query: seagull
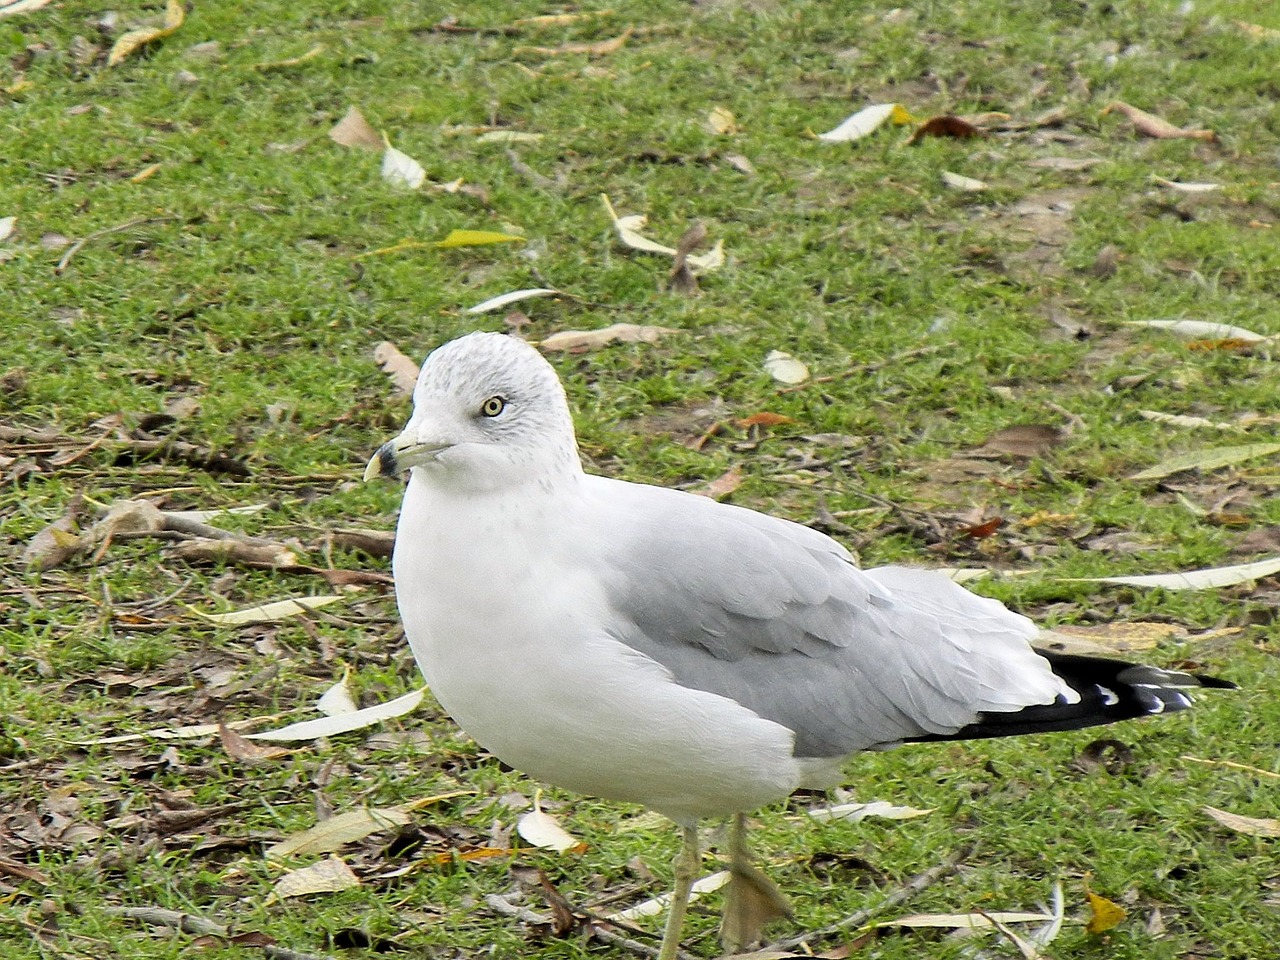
pixel 644 644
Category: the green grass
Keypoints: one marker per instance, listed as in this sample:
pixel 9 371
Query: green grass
pixel 253 288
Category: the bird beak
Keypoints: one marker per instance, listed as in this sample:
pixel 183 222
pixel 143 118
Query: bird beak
pixel 396 456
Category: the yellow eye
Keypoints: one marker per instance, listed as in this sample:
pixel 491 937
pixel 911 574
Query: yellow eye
pixel 492 407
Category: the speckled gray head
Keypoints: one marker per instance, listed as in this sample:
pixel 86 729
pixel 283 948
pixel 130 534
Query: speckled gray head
pixel 488 411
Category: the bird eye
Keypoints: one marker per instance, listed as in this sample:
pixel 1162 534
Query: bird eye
pixel 493 406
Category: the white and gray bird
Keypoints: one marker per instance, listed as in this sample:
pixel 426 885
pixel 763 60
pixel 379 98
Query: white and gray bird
pixel 638 643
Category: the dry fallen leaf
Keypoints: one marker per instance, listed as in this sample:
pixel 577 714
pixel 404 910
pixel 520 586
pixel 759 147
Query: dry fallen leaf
pixel 401 170
pixel 579 341
pixel 1184 420
pixel 946 125
pixel 336 832
pixel 402 371
pixel 1211 459
pixel 344 828
pixel 1182 187
pixel 682 279
pixel 476 238
pixel 6 227
pixel 337 700
pixel 129 43
pixel 1024 440
pixel 866 121
pixel 1205 579
pixel 853 812
pixel 13 7
pixel 328 876
pixel 763 419
pixel 1203 329
pixel 270 65
pixel 238 748
pixel 628 229
pixel 599 49
pixel 515 296
pixel 344 722
pixel 964 184
pixel 1150 125
pixel 1251 826
pixel 544 831
pixel 353 130
pixel 722 122
pixel 1103 913
pixel 785 368
pixel 723 485
pixel 268 612
pixel 655 906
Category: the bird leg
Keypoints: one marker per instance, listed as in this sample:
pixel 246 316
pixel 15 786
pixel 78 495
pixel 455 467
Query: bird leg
pixel 752 899
pixel 686 871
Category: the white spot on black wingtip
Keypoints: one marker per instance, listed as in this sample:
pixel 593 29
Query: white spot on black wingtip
pixel 1109 696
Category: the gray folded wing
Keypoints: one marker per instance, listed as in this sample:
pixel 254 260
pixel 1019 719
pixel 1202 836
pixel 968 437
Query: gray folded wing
pixel 777 617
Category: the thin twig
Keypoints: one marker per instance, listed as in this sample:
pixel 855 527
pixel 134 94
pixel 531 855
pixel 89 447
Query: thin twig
pixel 79 244
pixel 920 882
pixel 199 926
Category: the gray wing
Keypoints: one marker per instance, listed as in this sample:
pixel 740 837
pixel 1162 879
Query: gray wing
pixel 777 617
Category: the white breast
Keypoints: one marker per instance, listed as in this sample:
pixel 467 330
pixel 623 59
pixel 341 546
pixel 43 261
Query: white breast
pixel 510 650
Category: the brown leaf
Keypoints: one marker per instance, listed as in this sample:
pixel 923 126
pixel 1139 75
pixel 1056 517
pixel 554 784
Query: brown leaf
pixel 723 485
pixel 986 528
pixel 353 130
pixel 681 278
pixel 763 419
pixel 58 542
pixel 402 371
pixel 1149 125
pixel 1106 262
pixel 946 125
pixel 238 748
pixel 1023 440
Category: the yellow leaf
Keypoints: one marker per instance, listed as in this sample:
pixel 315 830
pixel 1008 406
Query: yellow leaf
pixel 476 238
pixel 1103 913
pixel 146 173
pixel 292 61
pixel 901 116
pixel 135 40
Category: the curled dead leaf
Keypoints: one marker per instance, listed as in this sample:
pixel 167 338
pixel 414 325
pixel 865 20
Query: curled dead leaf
pixel 1149 125
pixel 133 41
pixel 1024 440
pixel 579 341
pixel 946 125
pixel 353 130
pixel 1250 826
pixel 402 371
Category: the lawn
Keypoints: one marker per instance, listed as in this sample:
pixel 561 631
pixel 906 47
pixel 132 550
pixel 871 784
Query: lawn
pixel 197 276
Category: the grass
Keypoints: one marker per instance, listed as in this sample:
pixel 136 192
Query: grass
pixel 251 285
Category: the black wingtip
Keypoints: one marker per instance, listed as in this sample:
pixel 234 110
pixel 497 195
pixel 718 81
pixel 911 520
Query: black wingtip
pixel 1109 691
